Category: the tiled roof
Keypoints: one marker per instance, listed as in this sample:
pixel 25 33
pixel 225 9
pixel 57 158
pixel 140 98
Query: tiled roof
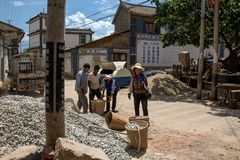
pixel 136 9
pixel 140 9
pixel 37 16
pixel 8 29
pixel 98 40
pixel 79 30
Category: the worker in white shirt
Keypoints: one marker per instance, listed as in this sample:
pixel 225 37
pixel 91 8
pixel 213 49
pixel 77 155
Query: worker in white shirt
pixel 94 84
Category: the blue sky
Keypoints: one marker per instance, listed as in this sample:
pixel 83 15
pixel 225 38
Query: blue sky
pixel 78 14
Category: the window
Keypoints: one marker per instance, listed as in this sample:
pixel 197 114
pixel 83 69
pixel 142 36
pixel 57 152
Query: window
pixel 221 50
pixel 150 28
pixel 119 56
pixel 172 26
pixel 82 39
pixel 44 38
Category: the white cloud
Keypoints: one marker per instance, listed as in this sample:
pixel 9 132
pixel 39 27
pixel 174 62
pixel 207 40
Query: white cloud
pixel 25 38
pixel 101 28
pixel 17 3
pixel 24 42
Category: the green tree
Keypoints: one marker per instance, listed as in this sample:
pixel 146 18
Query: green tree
pixel 184 17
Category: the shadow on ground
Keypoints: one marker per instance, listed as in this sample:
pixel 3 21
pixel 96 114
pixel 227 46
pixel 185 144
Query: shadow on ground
pixel 190 97
pixel 223 111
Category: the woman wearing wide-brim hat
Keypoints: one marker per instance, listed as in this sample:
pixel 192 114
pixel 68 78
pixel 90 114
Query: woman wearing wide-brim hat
pixel 139 88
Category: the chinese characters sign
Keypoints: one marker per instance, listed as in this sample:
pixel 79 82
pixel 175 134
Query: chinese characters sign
pixel 148 52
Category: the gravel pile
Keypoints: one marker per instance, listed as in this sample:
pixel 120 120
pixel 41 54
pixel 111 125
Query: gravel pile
pixel 166 85
pixel 22 122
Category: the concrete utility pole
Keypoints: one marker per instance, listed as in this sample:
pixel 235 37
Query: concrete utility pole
pixel 215 53
pixel 201 51
pixel 55 123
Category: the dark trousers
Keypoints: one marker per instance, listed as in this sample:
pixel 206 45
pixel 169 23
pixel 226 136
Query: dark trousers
pixel 140 97
pixel 114 100
pixel 82 101
pixel 92 94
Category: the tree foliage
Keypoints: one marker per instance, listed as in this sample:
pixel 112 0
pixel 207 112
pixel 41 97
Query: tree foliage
pixel 185 15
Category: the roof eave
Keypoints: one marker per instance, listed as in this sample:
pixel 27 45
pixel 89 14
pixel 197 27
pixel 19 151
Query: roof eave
pixel 116 14
pixel 82 45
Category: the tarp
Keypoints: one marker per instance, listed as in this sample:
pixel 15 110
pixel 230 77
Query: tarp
pixel 118 69
pixel 121 73
pixel 108 66
pixel 120 64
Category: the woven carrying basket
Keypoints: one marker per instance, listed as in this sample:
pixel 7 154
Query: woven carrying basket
pixel 138 137
pixel 115 121
pixel 98 106
pixel 143 118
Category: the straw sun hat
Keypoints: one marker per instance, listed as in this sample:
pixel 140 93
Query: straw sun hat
pixel 137 65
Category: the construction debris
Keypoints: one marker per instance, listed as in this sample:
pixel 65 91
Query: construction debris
pixel 167 85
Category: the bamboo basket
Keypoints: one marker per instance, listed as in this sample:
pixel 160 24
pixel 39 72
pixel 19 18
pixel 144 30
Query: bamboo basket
pixel 115 121
pixel 143 118
pixel 98 106
pixel 138 137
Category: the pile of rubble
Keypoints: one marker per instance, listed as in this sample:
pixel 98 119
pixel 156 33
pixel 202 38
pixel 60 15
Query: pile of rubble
pixel 167 85
pixel 22 123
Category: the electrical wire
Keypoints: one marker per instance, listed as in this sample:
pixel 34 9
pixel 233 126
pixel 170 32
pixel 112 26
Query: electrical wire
pixel 108 16
pixel 86 24
pixel 94 14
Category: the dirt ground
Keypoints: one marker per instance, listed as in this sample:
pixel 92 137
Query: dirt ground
pixel 185 128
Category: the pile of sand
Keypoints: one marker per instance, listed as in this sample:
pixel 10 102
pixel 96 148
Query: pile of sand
pixel 166 85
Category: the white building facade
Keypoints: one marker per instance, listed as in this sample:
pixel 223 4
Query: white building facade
pixel 37 35
pixel 10 37
pixel 146 46
pixel 150 51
